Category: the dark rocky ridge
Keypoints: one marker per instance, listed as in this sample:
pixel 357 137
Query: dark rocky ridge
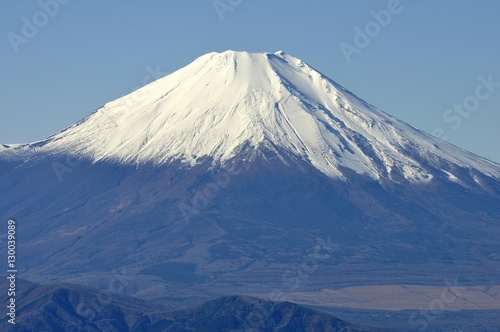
pixel 67 307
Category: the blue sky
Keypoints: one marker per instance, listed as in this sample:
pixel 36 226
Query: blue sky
pixel 427 63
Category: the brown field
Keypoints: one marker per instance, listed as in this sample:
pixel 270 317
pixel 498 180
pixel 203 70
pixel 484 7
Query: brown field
pixel 401 297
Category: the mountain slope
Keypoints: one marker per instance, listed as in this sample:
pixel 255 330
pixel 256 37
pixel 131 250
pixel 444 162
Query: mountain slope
pixel 223 103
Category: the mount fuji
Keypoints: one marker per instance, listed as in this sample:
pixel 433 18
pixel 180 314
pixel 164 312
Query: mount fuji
pixel 225 102
pixel 246 173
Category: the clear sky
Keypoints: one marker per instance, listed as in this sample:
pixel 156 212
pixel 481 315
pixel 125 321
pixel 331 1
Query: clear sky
pixel 62 59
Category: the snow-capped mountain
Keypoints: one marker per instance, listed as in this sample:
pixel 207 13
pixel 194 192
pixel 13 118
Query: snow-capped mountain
pixel 224 102
pixel 229 175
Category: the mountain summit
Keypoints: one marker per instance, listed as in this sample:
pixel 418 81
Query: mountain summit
pixel 231 104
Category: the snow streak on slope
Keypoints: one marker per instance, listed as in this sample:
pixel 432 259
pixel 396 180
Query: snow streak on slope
pixel 225 101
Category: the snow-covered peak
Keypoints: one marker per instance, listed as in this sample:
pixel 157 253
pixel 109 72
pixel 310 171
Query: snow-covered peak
pixel 224 101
